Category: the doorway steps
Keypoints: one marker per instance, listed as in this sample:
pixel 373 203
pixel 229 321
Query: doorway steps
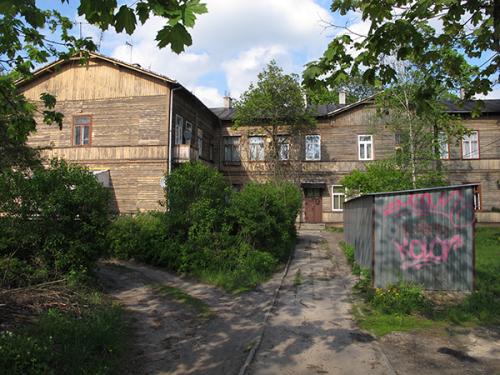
pixel 311 226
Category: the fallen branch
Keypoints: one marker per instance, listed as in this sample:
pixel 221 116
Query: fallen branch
pixel 31 287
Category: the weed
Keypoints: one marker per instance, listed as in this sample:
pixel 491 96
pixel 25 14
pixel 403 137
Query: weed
pixel 202 309
pixel 335 229
pixel 298 280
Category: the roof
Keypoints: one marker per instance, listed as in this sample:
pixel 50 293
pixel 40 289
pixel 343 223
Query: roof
pixel 438 188
pixel 490 106
pixel 135 67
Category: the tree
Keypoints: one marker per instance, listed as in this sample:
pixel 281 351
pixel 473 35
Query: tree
pixel 354 87
pixel 25 42
pixel 276 105
pixel 429 34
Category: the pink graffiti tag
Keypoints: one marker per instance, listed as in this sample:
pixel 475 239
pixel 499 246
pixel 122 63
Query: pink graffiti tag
pixel 426 256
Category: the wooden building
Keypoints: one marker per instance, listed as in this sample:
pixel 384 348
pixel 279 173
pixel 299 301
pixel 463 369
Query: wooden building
pixel 132 126
pixel 118 120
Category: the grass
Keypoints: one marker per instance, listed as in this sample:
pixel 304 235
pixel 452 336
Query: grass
pixel 90 342
pixel 202 309
pixel 298 279
pixel 482 307
pixel 335 229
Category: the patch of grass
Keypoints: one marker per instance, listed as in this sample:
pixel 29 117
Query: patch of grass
pixel 61 343
pixel 335 229
pixel 298 279
pixel 201 308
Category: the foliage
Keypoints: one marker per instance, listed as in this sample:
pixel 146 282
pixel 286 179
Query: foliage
pixel 61 344
pixel 275 104
pixel 54 221
pixel 403 298
pixel 379 176
pixel 234 240
pixel 407 31
pixel 264 216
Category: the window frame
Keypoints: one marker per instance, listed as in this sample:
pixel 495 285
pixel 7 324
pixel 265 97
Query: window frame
pixel 319 144
pixel 364 143
pixel 233 147
pixel 199 141
pixel 262 143
pixel 478 147
pixel 333 194
pixel 177 133
pixel 283 140
pixel 73 131
pixel 188 125
pixel 445 136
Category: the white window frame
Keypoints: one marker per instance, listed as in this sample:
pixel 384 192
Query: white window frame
pixel 256 148
pixel 179 129
pixel 200 142
pixel 313 155
pixel 467 145
pixel 364 145
pixel 444 146
pixel 283 147
pixel 337 194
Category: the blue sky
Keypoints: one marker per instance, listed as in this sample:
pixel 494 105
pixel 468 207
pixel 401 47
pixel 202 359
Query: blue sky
pixel 231 43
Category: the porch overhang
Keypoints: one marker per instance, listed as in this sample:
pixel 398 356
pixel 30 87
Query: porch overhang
pixel 313 185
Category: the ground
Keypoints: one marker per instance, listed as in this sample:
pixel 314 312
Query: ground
pixel 302 321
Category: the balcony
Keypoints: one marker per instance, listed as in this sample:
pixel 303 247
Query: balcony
pixel 184 153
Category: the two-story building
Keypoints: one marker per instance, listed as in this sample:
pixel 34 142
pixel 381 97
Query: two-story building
pixel 131 126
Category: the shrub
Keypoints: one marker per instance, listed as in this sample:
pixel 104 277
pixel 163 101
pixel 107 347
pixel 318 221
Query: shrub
pixel 55 219
pixel 403 298
pixel 264 216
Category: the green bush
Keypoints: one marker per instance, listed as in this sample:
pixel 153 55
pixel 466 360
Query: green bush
pixel 264 216
pixel 53 220
pixel 403 298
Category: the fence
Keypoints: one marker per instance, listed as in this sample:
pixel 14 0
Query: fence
pixel 423 236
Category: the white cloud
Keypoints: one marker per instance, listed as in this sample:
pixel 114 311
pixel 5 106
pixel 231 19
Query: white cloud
pixel 494 94
pixel 210 96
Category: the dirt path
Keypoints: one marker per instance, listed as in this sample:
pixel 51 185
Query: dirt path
pixel 171 337
pixel 311 330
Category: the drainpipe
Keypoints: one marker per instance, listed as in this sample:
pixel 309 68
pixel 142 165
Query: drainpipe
pixel 170 131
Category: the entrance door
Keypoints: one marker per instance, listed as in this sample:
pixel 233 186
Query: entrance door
pixel 313 205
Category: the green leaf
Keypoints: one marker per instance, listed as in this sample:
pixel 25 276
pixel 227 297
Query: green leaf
pixel 142 11
pixel 177 36
pixel 125 19
pixel 193 7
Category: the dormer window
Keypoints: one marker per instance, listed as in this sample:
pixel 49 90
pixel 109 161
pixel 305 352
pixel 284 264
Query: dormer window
pixel 82 126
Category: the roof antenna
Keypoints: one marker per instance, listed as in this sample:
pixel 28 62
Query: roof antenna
pixel 131 47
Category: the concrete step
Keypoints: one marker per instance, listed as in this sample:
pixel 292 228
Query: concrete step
pixel 311 226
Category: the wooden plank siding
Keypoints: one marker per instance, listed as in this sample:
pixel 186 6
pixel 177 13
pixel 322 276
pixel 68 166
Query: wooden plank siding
pixel 129 132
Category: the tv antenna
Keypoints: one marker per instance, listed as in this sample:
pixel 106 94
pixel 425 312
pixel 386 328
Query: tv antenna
pixel 131 47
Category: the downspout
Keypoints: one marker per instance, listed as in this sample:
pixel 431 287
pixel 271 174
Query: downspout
pixel 170 131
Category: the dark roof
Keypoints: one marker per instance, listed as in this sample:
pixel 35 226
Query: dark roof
pixel 323 110
pixel 489 106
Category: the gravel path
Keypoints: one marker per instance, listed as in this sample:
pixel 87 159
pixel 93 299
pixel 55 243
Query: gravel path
pixel 311 330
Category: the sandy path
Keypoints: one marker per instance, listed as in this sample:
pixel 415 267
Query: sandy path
pixel 311 330
pixel 170 337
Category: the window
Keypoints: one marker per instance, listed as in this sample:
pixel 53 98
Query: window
pixel 200 142
pixel 232 149
pixel 444 147
pixel 81 130
pixel 313 147
pixel 477 197
pixel 283 148
pixel 178 129
pixel 470 146
pixel 365 147
pixel 188 133
pixel 338 197
pixel 256 148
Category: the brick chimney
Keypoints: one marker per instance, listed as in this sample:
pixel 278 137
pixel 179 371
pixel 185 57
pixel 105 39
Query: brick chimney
pixel 228 102
pixel 342 97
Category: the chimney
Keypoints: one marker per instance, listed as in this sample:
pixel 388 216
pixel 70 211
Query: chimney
pixel 228 102
pixel 342 97
pixel 462 93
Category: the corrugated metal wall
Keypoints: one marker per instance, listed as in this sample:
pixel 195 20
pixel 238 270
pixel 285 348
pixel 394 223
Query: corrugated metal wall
pixel 358 228
pixel 426 238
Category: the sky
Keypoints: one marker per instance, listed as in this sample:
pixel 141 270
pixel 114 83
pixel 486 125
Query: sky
pixel 232 43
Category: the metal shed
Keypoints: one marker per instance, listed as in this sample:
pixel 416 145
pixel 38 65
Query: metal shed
pixel 425 236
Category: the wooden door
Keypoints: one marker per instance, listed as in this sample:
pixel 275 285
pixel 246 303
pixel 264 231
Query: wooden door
pixel 313 203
